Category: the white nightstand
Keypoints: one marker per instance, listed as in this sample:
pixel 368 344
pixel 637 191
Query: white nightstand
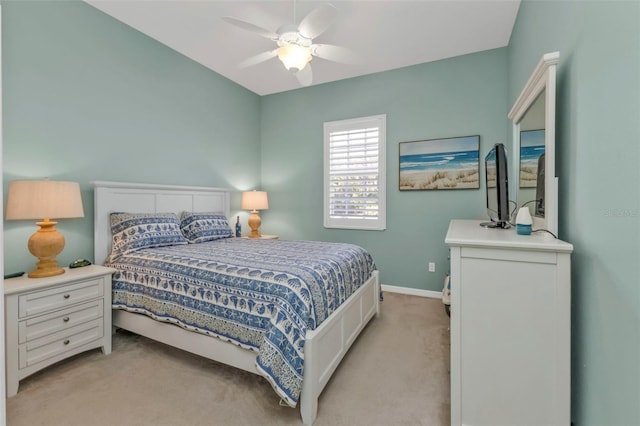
pixel 264 237
pixel 50 319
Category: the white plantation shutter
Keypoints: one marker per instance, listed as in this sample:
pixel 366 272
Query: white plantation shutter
pixel 354 173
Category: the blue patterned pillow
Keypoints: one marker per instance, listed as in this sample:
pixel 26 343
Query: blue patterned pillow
pixel 136 231
pixel 201 227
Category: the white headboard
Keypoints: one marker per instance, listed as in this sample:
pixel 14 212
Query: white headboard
pixel 148 198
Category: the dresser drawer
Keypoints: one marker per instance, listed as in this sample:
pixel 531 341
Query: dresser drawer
pixel 59 297
pixel 43 325
pixel 49 346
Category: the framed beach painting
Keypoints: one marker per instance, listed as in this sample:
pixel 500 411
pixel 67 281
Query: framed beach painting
pixel 531 148
pixel 449 163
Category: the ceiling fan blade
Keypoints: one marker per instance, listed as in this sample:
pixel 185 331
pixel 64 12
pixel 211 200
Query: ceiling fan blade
pixel 334 53
pixel 260 57
pixel 305 76
pixel 247 26
pixel 317 21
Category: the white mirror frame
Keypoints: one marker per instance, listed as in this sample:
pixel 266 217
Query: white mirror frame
pixel 543 77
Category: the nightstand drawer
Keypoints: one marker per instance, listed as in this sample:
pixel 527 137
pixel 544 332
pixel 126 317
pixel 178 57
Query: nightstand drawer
pixel 59 297
pixel 46 347
pixel 43 325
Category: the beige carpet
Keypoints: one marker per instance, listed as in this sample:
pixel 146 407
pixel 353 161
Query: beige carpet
pixel 395 374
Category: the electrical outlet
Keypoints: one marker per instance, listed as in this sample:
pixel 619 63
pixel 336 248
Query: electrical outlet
pixel 432 267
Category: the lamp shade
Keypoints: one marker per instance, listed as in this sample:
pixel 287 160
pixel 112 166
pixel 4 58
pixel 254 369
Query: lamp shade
pixel 294 56
pixel 254 200
pixel 43 199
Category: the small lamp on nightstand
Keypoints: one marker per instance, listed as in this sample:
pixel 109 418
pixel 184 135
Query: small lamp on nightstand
pixel 44 200
pixel 254 201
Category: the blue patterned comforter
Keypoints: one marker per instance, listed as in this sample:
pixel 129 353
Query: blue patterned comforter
pixel 262 295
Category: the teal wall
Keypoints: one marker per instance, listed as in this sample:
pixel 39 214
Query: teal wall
pixel 598 165
pixel 461 96
pixel 88 98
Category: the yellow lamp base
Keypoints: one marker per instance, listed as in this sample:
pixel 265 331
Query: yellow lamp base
pixel 254 224
pixel 46 244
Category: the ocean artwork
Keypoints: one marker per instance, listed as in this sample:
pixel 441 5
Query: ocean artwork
pixel 450 163
pixel 531 148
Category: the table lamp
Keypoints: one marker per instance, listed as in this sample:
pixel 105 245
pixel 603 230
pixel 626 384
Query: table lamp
pixel 44 200
pixel 254 201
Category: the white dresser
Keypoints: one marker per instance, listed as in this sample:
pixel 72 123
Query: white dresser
pixel 50 319
pixel 510 327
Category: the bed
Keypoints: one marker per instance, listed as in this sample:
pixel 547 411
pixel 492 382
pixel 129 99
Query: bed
pixel 322 336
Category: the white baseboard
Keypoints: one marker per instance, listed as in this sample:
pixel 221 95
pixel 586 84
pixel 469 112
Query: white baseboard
pixel 412 291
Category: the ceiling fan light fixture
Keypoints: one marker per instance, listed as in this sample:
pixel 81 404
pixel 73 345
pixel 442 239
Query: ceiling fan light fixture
pixel 294 57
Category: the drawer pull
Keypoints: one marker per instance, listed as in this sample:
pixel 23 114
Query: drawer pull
pixel 66 296
pixel 66 342
pixel 65 319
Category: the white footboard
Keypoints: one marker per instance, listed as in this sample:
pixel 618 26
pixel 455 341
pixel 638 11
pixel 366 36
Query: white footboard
pixel 325 346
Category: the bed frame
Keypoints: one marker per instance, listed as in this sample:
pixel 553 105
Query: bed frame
pixel 324 347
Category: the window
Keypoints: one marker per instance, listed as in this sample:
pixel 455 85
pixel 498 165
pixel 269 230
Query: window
pixel 354 173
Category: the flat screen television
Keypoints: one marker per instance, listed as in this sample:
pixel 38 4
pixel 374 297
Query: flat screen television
pixel 497 187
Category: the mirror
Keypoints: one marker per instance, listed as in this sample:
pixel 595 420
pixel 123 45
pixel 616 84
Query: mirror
pixel 530 164
pixel 532 175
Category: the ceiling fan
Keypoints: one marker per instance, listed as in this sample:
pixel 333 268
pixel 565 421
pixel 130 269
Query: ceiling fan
pixel 295 47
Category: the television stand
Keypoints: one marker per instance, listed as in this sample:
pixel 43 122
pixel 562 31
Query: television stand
pixel 500 225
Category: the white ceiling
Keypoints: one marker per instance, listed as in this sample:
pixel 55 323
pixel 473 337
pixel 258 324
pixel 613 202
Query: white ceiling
pixel 385 34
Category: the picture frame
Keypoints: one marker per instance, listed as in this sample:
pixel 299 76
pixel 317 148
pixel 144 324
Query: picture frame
pixel 531 148
pixel 445 163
